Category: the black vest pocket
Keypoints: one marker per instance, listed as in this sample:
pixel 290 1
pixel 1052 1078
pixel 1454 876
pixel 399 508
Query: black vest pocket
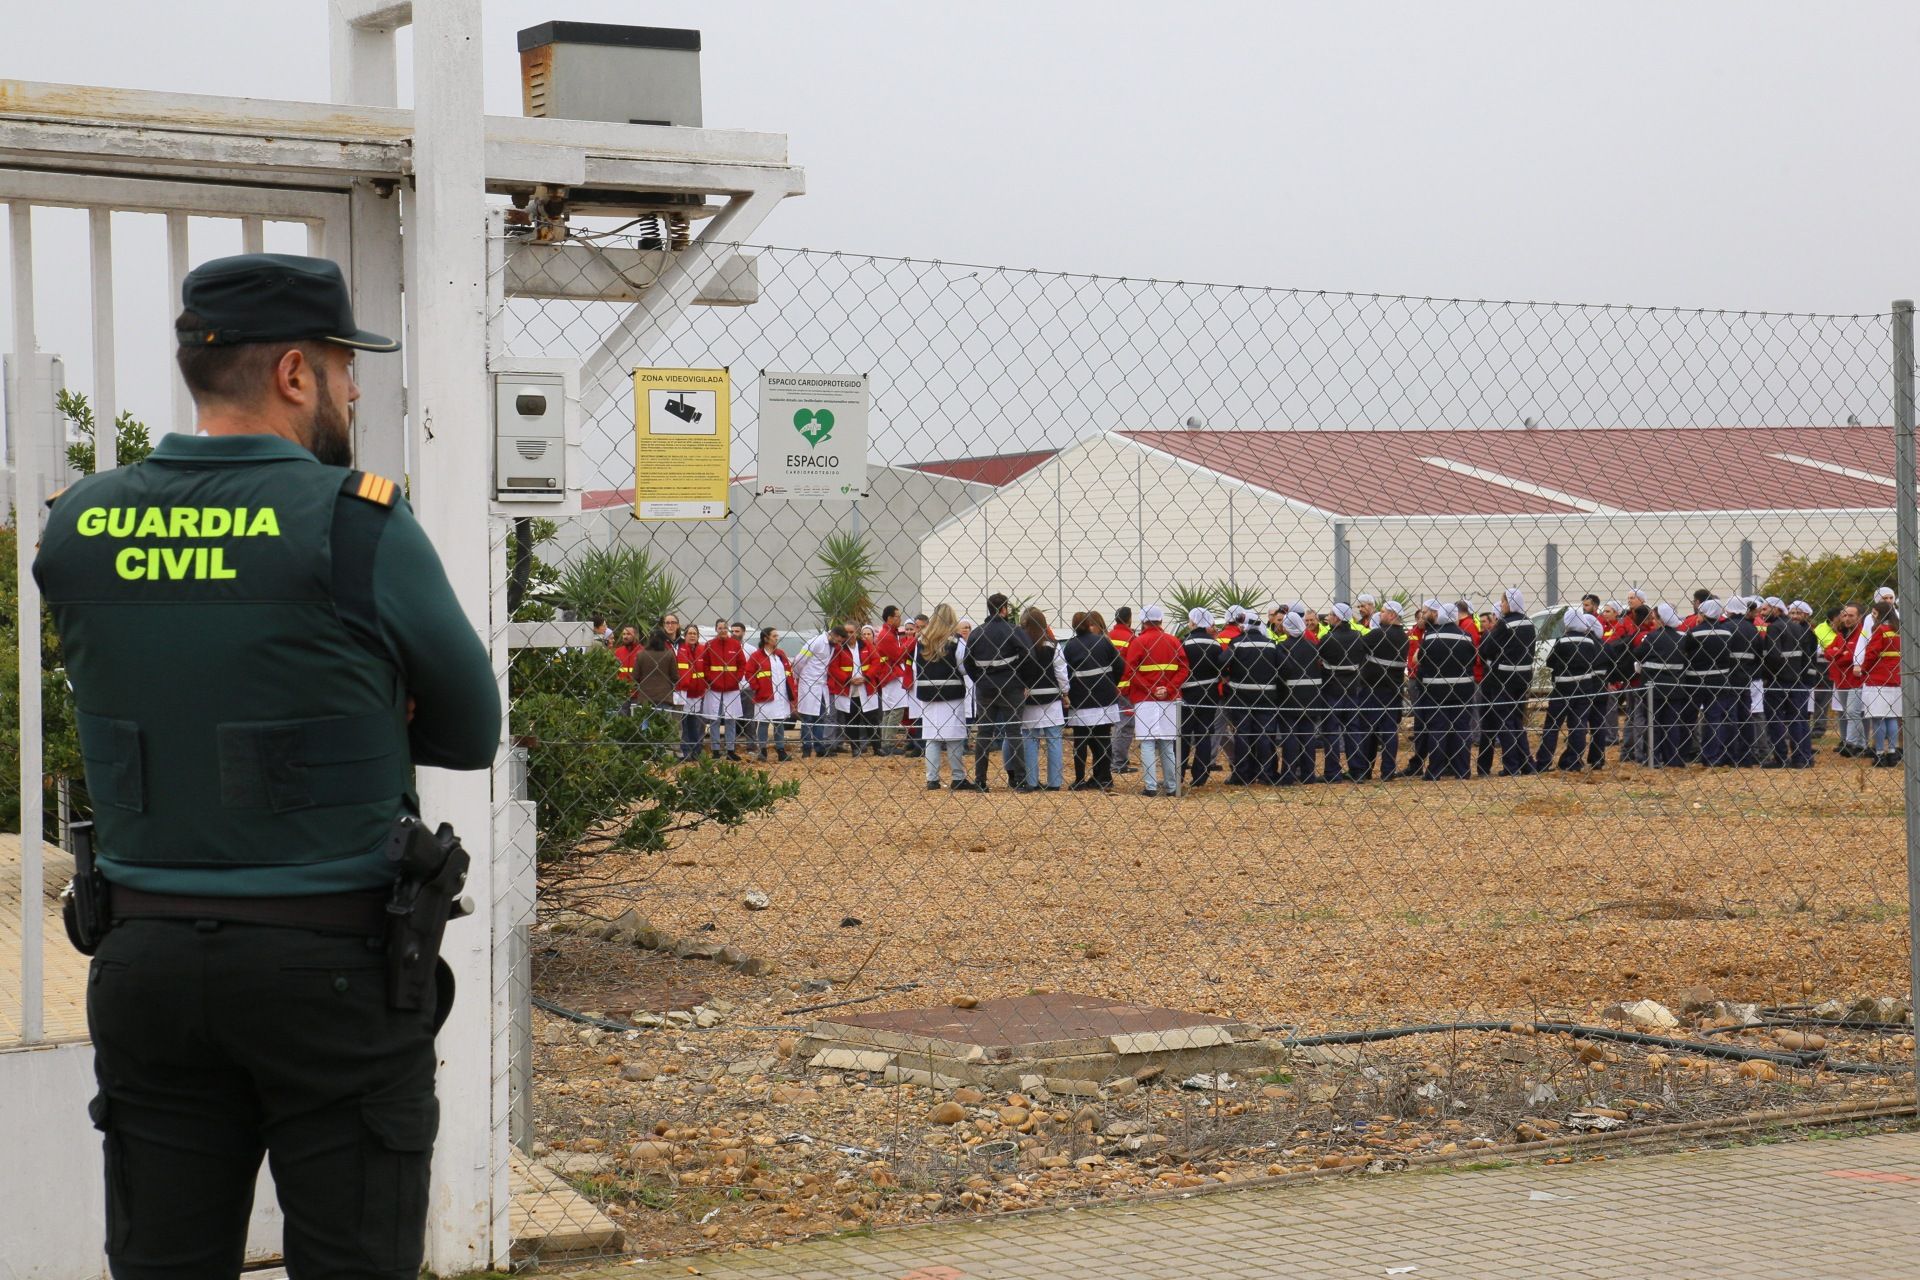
pixel 110 751
pixel 288 765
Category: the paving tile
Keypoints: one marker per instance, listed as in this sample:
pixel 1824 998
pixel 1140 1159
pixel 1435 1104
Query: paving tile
pixel 1847 1207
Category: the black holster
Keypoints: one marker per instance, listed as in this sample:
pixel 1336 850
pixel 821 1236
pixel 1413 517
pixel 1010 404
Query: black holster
pixel 430 871
pixel 83 903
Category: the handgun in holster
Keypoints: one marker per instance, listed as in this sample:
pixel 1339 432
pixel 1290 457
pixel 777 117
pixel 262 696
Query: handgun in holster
pixel 83 903
pixel 430 869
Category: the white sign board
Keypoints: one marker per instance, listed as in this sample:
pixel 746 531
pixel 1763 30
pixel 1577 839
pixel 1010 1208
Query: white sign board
pixel 813 436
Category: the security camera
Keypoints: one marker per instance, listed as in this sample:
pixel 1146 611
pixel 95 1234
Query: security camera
pixel 680 409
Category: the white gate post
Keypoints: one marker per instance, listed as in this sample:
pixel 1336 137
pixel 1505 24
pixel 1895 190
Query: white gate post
pixel 447 333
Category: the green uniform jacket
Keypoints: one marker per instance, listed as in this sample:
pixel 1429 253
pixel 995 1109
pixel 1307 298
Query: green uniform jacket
pixel 243 629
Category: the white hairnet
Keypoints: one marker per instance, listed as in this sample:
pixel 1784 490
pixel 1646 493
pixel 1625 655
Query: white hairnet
pixel 1200 617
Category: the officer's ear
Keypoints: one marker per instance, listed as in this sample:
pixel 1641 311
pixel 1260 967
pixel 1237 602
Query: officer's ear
pixel 297 375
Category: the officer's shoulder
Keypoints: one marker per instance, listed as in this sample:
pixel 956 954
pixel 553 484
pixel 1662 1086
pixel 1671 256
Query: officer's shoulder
pixel 370 488
pixel 84 482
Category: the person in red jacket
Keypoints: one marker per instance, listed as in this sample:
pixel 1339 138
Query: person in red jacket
pixel 1156 668
pixel 688 691
pixel 1121 635
pixel 625 653
pixel 771 685
pixel 1879 674
pixel 724 660
pixel 894 644
pixel 1846 683
pixel 853 676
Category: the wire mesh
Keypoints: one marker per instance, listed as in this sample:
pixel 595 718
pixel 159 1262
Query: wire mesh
pixel 1449 842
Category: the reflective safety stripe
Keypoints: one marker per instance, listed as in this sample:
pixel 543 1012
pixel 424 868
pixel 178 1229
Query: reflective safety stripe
pixel 1337 667
pixel 1302 683
pixel 995 662
pixel 1446 635
pixel 1159 666
pixel 1663 666
pixel 1043 691
pixel 1515 666
pixel 1389 662
pixel 1584 675
pixel 1713 671
pixel 1250 688
pixel 925 686
pixel 1200 684
pixel 1447 680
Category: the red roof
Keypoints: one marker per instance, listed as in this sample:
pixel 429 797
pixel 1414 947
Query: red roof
pixel 1383 473
pixel 995 469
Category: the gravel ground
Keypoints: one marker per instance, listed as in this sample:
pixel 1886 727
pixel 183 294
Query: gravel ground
pixel 1318 908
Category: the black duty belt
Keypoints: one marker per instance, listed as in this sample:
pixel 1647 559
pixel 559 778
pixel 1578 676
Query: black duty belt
pixel 354 913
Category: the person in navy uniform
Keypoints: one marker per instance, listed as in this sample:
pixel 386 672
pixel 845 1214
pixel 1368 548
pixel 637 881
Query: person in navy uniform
pixel 262 646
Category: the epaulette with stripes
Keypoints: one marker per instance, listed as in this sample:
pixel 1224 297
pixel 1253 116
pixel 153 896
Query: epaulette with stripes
pixel 52 497
pixel 368 487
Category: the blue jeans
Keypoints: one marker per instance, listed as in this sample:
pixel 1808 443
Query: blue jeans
pixel 813 734
pixel 1886 734
pixel 770 733
pixel 955 751
pixel 1853 726
pixel 1031 736
pixel 692 732
pixel 1160 758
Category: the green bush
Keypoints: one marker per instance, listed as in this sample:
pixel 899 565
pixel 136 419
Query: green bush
pixel 604 781
pixel 621 584
pixel 848 574
pixel 1829 581
pixel 61 754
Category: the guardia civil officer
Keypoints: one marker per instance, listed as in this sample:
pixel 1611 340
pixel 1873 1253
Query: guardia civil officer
pixel 262 646
pixel 1383 670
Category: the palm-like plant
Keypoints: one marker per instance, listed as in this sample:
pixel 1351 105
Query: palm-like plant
pixel 1229 593
pixel 622 584
pixel 848 574
pixel 1183 597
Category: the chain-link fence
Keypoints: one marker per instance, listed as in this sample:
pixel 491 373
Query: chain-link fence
pixel 1510 685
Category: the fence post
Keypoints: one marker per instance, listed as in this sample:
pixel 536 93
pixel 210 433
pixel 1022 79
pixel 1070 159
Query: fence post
pixel 1342 570
pixel 1553 574
pixel 1746 566
pixel 1907 576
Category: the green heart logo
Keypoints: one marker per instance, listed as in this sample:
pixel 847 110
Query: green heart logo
pixel 814 425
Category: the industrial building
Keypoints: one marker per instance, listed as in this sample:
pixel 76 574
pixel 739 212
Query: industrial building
pixel 1324 515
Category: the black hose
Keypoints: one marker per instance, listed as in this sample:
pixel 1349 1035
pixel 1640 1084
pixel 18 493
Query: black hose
pixel 1578 1031
pixel 1827 1024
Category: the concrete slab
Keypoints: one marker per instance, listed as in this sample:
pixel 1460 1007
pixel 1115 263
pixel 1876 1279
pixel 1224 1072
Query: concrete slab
pixel 1060 1035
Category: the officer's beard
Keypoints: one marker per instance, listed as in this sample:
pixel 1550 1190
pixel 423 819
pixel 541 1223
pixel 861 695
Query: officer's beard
pixel 329 432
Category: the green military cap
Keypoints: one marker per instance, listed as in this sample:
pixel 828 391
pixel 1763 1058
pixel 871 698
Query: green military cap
pixel 272 297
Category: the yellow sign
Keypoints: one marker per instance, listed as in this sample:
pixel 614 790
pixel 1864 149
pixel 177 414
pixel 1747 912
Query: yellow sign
pixel 682 443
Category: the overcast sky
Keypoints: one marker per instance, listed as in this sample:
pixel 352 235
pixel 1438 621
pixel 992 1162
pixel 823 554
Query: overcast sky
pixel 1754 153
pixel 1750 154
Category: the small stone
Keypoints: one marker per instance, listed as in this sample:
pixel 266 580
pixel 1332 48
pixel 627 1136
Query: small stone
pixel 641 1071
pixel 555 1034
pixel 642 1018
pixel 705 1017
pixel 1331 1160
pixel 1648 1014
pixel 590 1144
pixel 591 1036
pixel 1143 1142
pixel 1146 1075
pixel 752 1066
pixel 1121 1087
pixel 756 900
pixel 1123 1128
pixel 695 949
pixel 790 1093
pixel 965 1002
pixel 1013 1116
pixel 1053 1162
pixel 831 1080
pixel 1331 1055
pixel 679 1018
pixel 1694 998
pixel 650 1152
pixel 1799 1041
pixel 1089 1162
pixel 919 1075
pixel 947 1113
pixel 786 1046
pixel 849 922
pixel 1068 1088
pixel 1030 1083
pixel 733 957
pixel 969 1096
pixel 755 966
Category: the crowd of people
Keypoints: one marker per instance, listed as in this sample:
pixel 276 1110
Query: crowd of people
pixel 1289 696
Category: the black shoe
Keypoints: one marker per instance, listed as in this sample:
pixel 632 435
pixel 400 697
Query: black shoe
pixel 1234 782
pixel 964 785
pixel 1774 764
pixel 1884 760
pixel 933 786
pixel 1388 775
pixel 1054 788
pixel 1080 784
pixel 1149 792
pixel 1199 781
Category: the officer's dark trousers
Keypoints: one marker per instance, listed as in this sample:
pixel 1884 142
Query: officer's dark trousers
pixel 214 1043
pixel 1255 743
pixel 1503 728
pixel 1338 733
pixel 1719 733
pixel 1449 741
pixel 998 725
pixel 1583 716
pixel 1788 730
pixel 1198 724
